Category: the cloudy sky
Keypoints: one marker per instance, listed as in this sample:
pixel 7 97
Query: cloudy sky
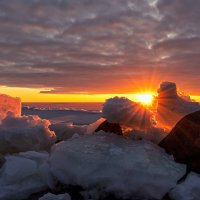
pixel 99 46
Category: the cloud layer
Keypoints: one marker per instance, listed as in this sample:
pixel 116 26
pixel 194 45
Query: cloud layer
pixel 101 46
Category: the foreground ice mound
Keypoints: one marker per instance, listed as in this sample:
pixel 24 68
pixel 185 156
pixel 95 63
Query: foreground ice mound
pixel 106 163
pixel 9 104
pixel 188 190
pixel 25 133
pixel 23 174
pixel 50 196
pixel 125 112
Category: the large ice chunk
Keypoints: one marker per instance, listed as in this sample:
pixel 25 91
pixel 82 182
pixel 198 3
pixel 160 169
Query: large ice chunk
pixel 112 164
pixel 50 196
pixel 188 190
pixel 24 174
pixel 172 105
pixel 9 104
pixel 65 131
pixel 25 133
pixel 125 112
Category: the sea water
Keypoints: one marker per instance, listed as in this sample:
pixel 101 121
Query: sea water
pixel 87 106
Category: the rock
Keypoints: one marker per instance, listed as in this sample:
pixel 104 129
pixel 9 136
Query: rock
pixel 184 141
pixel 110 127
pixel 2 160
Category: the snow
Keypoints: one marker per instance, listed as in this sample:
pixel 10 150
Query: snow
pixel 126 112
pixel 25 133
pixel 9 104
pixel 50 196
pixel 187 190
pixel 104 163
pixel 23 174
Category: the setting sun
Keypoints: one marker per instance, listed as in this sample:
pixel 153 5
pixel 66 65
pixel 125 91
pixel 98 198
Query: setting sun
pixel 145 99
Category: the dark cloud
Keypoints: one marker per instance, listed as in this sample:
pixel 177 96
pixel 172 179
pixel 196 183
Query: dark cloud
pixel 99 46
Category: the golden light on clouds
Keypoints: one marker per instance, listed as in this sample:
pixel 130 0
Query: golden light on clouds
pixel 34 95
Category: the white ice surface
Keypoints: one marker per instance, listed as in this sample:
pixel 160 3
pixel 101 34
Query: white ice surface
pixel 25 133
pixel 108 163
pixel 50 196
pixel 24 174
pixel 187 190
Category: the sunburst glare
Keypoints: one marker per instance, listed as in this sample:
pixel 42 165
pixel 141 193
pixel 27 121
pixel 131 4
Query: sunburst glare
pixel 145 99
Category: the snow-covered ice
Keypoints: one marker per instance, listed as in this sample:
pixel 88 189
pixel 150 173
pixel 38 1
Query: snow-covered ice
pixel 9 104
pixel 24 174
pixel 50 196
pixel 25 133
pixel 106 163
pixel 187 190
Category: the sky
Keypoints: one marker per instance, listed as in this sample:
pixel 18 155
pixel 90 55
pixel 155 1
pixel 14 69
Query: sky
pixel 88 50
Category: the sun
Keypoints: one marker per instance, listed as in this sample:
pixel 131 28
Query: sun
pixel 145 99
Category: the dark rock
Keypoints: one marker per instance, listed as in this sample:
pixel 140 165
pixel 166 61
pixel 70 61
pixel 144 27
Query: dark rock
pixel 184 141
pixel 110 127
